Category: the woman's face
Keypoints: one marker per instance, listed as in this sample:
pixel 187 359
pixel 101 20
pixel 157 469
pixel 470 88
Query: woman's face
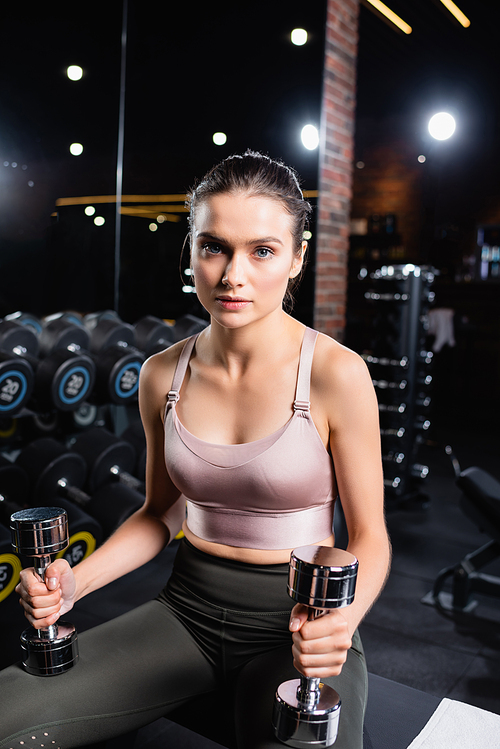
pixel 242 257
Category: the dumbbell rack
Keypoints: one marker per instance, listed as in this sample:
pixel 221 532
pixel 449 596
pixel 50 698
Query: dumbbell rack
pixel 401 367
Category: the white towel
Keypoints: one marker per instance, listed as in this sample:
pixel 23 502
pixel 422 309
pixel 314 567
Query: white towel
pixel 441 326
pixel 455 725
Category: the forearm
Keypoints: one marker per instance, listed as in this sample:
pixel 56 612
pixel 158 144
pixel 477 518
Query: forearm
pixel 135 542
pixel 374 555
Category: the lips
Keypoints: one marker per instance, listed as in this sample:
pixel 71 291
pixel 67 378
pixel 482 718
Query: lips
pixel 232 302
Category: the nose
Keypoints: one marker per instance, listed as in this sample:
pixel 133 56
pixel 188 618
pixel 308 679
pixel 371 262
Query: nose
pixel 234 274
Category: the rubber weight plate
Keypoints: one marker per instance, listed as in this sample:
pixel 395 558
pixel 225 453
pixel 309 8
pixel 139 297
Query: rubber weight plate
pixel 117 374
pixel 101 450
pixel 18 338
pixel 16 383
pixel 64 380
pixel 112 504
pixel 111 332
pixel 62 333
pixel 46 461
pixel 153 335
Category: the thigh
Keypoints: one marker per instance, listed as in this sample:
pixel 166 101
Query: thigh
pixel 257 684
pixel 131 671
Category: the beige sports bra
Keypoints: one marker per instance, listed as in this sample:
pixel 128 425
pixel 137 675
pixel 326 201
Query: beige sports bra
pixel 273 493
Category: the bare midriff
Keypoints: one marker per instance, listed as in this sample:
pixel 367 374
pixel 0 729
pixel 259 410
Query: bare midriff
pixel 249 556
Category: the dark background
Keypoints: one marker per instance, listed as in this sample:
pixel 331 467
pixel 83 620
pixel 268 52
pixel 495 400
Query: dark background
pixel 189 73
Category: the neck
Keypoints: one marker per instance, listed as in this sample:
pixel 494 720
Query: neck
pixel 263 339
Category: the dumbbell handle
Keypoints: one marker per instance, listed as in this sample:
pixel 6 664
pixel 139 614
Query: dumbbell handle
pixel 40 565
pixel 336 590
pixel 78 496
pixel 308 692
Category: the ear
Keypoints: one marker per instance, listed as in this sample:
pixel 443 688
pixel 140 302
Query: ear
pixel 298 261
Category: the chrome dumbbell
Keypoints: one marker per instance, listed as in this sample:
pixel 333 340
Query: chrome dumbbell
pixel 39 532
pixel 306 711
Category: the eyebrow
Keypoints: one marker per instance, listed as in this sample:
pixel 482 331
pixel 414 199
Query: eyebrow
pixel 214 238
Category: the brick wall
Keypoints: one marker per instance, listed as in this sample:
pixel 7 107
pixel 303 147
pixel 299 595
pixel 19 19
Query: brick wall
pixel 392 180
pixel 336 163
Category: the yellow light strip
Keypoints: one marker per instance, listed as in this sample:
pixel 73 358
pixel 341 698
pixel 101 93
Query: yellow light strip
pixel 155 208
pixel 125 199
pixel 455 11
pixel 151 215
pixel 391 16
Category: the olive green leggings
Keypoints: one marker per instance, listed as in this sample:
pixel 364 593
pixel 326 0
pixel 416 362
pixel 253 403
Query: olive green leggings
pixel 219 629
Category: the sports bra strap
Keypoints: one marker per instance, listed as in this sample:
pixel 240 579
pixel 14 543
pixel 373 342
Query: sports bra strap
pixel 302 393
pixel 180 369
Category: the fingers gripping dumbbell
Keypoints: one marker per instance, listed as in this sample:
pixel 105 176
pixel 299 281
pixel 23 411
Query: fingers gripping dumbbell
pixel 38 533
pixel 306 711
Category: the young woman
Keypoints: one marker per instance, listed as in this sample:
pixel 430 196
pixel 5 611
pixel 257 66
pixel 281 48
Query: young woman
pixel 257 425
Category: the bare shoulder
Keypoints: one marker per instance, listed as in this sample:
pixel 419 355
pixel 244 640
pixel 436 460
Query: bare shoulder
pixel 156 378
pixel 337 368
pixel 162 365
pixel 342 392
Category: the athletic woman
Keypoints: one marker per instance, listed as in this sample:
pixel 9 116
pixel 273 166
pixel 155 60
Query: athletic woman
pixel 254 428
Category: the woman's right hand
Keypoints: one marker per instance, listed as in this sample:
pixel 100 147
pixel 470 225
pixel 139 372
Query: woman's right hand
pixel 44 603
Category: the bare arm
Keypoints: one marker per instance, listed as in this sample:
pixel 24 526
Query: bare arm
pixel 136 541
pixel 320 647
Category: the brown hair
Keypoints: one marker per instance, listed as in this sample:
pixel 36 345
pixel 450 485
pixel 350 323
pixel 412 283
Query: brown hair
pixel 257 175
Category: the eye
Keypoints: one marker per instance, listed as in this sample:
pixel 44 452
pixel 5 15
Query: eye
pixel 264 252
pixel 211 248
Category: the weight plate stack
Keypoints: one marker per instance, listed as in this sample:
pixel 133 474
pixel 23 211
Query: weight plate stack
pixel 102 451
pixel 117 375
pixel 46 461
pixel 16 383
pixel 110 332
pixel 64 380
pixel 62 333
pixel 153 335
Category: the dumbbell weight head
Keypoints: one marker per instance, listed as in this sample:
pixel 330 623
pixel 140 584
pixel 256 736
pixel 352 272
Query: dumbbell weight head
pixel 153 335
pixel 66 374
pixel 39 533
pixel 110 332
pixel 10 565
pixel 62 332
pixel 117 375
pixel 112 504
pixel 14 486
pixel 85 533
pixel 14 483
pixel 104 453
pixel 91 320
pixel 16 372
pixel 30 321
pixel 188 325
pixel 64 380
pixel 322 577
pixel 55 471
pixel 46 462
pixel 71 315
pixel 306 712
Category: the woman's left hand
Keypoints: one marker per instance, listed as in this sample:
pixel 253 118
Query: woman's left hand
pixel 319 646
